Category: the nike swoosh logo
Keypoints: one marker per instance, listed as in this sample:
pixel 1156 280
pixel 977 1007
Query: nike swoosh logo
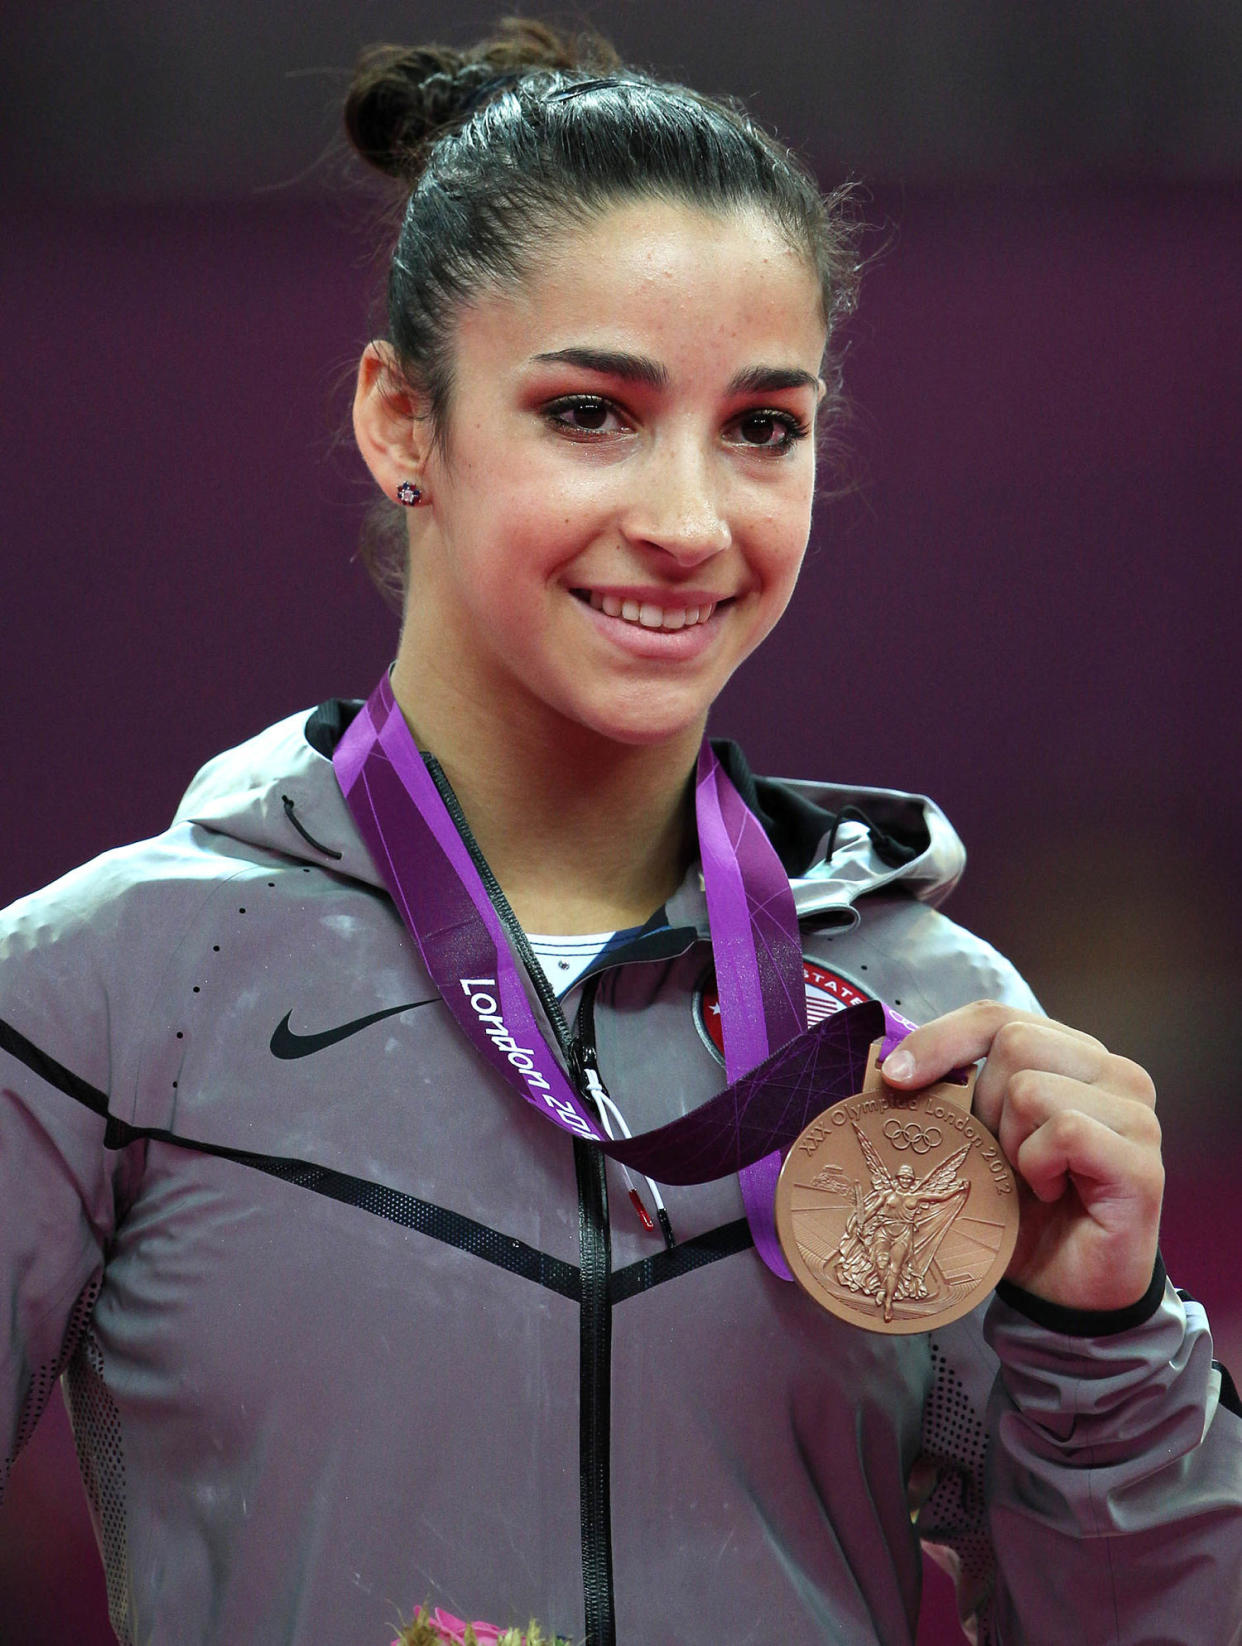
pixel 286 1044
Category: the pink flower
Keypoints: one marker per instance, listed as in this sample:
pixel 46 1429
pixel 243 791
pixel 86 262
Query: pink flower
pixel 454 1629
pixel 441 1628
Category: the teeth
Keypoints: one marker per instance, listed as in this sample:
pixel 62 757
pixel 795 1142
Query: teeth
pixel 647 614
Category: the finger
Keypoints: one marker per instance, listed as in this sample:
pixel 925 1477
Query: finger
pixel 1120 1181
pixel 1022 1052
pixel 1033 1047
pixel 960 1037
pixel 1033 1097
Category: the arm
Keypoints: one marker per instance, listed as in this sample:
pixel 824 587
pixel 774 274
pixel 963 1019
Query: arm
pixel 1112 1485
pixel 1117 1465
pixel 59 1187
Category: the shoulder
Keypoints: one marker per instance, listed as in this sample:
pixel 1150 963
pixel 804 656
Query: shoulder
pixel 874 866
pixel 942 964
pixel 138 888
pixel 222 827
pixel 234 818
pixel 83 957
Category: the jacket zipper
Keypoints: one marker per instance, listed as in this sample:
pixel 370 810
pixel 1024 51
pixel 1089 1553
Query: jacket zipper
pixel 595 1363
pixel 594 1251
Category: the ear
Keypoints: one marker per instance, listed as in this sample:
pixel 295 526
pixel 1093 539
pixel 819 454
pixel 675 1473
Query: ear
pixel 390 422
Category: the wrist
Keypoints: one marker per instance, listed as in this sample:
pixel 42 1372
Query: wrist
pixel 1057 1317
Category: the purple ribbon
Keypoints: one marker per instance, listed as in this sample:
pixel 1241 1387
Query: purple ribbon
pixel 758 957
pixel 781 1075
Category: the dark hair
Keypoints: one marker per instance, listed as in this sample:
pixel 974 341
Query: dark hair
pixel 501 144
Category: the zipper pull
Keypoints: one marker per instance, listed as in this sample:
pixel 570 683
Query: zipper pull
pixel 594 1086
pixel 644 1216
pixel 594 1089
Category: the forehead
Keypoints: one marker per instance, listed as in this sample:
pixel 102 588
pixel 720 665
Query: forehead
pixel 664 279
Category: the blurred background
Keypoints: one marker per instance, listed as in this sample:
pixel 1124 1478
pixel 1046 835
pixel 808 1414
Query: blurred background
pixel 1026 605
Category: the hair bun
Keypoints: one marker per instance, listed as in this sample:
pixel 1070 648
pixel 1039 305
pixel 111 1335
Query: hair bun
pixel 402 98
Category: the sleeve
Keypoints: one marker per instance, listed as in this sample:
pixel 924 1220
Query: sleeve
pixel 59 1187
pixel 1081 1474
pixel 1086 1475
pixel 1116 1463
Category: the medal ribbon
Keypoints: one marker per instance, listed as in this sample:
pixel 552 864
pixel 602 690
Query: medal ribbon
pixel 781 1074
pixel 755 944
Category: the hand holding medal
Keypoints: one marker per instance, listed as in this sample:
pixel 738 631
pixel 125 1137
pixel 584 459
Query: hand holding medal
pixel 897 1211
pixel 1079 1126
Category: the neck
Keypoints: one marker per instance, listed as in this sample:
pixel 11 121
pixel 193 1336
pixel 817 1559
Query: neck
pixel 583 834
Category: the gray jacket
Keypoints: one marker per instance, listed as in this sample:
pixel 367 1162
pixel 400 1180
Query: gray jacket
pixel 345 1326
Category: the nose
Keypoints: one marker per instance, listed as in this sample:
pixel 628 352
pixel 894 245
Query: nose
pixel 678 507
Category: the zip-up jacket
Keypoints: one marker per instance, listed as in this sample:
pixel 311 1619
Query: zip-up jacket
pixel 346 1327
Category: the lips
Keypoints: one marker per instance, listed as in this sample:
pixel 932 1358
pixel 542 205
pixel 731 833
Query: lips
pixel 649 614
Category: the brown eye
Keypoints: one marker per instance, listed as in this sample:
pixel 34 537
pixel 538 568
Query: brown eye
pixel 581 414
pixel 770 431
pixel 588 417
pixel 758 431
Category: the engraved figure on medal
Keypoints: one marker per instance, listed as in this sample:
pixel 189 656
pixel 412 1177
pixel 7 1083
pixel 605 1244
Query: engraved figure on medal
pixel 897 1212
pixel 888 1250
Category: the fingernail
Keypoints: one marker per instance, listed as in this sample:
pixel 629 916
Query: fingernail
pixel 897 1065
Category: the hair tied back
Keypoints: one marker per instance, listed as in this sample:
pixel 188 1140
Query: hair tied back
pixel 581 88
pixel 403 99
pixel 484 93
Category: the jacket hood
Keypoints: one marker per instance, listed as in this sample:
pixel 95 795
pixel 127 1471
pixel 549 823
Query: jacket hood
pixel 278 792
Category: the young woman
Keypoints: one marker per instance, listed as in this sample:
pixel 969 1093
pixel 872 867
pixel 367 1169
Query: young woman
pixel 306 1104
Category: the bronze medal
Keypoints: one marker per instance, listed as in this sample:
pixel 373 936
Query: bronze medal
pixel 897 1211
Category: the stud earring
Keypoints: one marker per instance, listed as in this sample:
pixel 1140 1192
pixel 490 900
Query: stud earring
pixel 408 493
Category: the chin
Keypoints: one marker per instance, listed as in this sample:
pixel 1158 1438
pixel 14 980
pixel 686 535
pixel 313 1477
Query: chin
pixel 648 728
pixel 646 737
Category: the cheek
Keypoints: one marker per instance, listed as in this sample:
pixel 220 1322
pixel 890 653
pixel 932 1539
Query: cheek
pixel 778 575
pixel 782 540
pixel 539 486
pixel 781 589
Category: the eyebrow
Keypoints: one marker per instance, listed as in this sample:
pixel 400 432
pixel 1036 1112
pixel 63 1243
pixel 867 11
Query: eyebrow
pixel 767 379
pixel 639 368
pixel 634 368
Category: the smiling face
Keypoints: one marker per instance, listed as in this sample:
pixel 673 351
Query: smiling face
pixel 620 505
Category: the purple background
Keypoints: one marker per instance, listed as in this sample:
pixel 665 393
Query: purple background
pixel 1028 609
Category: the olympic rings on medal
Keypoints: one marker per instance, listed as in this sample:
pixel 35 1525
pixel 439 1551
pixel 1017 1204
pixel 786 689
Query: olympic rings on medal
pixel 911 1135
